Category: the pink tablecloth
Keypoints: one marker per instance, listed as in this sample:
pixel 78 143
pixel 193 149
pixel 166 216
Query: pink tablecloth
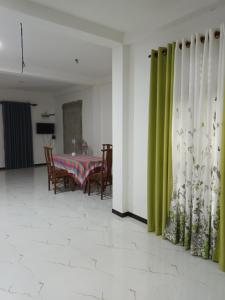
pixel 79 166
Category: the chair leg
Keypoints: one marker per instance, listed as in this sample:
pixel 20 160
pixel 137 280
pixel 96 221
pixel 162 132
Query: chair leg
pixel 54 186
pixel 48 183
pixel 89 187
pixel 85 187
pixel 71 184
pixel 102 190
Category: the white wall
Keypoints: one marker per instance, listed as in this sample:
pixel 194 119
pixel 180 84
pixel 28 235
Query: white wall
pixel 138 100
pixel 96 115
pixel 45 103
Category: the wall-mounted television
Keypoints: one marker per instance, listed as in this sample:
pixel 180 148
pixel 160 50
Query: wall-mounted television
pixel 45 128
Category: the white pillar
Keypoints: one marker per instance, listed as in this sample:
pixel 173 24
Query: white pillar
pixel 119 126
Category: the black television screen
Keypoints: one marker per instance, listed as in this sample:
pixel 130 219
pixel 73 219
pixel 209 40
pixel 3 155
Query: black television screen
pixel 45 128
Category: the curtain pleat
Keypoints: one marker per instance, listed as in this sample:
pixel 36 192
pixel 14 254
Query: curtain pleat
pixel 151 141
pixel 159 138
pixel 220 253
pixel 18 141
pixel 186 145
pixel 160 117
pixel 167 151
pixel 197 203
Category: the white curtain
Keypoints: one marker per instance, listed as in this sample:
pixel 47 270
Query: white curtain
pixel 196 138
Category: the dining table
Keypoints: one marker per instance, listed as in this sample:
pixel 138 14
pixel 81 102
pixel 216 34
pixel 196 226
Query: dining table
pixel 78 166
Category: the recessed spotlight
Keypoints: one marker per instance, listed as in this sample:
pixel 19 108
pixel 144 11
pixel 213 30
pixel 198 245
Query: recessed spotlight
pixel 76 60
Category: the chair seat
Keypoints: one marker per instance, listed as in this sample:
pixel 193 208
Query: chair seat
pixel 97 176
pixel 60 173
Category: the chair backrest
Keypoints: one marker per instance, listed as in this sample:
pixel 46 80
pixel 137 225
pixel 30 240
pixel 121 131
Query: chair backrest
pixel 49 159
pixel 107 160
pixel 106 146
pixel 84 147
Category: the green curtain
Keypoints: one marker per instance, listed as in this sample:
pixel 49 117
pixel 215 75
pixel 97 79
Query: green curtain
pixel 159 137
pixel 221 238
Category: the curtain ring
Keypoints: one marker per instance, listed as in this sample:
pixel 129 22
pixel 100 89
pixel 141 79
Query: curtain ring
pixel 188 44
pixel 217 34
pixel 164 52
pixel 202 39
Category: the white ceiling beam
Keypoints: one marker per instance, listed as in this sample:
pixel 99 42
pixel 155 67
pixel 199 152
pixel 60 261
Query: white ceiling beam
pixel 49 75
pixel 84 29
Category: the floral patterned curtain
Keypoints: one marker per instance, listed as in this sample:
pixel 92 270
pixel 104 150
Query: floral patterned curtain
pixel 196 143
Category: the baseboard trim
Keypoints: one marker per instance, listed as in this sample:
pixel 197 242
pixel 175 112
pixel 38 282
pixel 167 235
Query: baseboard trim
pixel 40 165
pixel 129 214
pixel 35 165
pixel 118 213
pixel 136 217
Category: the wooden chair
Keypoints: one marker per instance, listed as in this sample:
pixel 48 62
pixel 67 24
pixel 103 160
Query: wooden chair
pixel 55 175
pixel 84 147
pixel 103 176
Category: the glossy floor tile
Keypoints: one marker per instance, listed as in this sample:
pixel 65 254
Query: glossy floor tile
pixel 71 247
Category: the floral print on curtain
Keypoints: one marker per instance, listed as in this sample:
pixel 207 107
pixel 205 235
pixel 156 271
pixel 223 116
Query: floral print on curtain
pixel 196 142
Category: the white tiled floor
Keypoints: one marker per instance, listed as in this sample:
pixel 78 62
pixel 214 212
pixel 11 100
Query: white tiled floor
pixel 71 247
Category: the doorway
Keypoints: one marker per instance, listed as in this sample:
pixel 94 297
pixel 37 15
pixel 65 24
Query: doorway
pixel 72 126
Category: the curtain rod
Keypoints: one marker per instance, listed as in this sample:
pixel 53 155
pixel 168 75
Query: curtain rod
pixel 31 104
pixel 188 43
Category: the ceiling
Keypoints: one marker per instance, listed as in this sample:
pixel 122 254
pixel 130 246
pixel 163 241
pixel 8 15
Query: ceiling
pixel 129 15
pixel 50 47
pixel 49 52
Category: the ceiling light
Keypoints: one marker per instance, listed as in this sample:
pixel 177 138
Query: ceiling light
pixel 76 60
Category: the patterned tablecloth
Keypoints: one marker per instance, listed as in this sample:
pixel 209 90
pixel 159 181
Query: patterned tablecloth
pixel 79 166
